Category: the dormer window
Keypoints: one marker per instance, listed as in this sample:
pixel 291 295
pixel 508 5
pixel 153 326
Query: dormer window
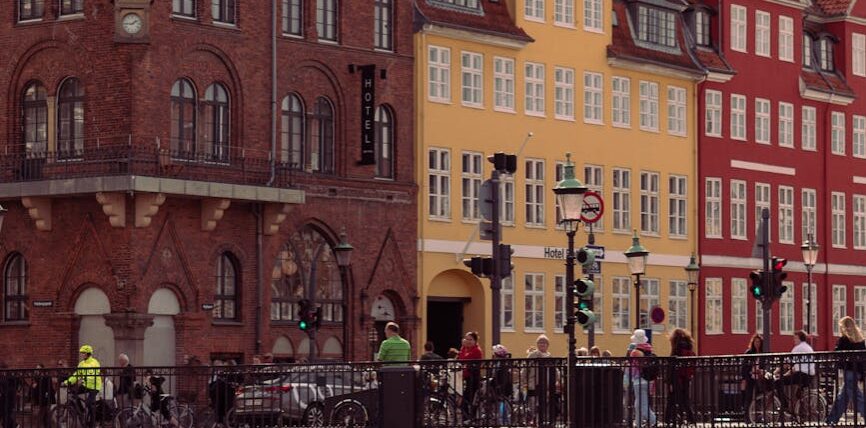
pixel 807 50
pixel 466 4
pixel 702 28
pixel 826 54
pixel 656 26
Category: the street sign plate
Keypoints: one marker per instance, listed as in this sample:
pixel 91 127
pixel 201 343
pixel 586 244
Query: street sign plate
pixel 595 269
pixel 598 250
pixel 593 207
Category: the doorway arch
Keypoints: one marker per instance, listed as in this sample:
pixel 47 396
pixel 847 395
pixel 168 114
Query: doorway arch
pixel 159 338
pixel 90 306
pixel 456 303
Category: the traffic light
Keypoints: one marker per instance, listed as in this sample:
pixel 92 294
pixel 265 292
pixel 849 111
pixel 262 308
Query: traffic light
pixel 304 315
pixel 481 267
pixel 505 266
pixel 583 289
pixel 585 257
pixel 779 276
pixel 757 277
pixel 503 162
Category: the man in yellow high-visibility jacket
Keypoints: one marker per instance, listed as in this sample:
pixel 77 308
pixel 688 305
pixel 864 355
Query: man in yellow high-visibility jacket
pixel 87 375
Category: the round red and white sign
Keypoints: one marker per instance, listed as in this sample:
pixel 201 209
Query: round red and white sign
pixel 657 315
pixel 593 207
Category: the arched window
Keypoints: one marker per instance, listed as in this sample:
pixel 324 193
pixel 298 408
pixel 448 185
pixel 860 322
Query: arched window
pixel 226 293
pixel 183 119
pixel 384 142
pixel 216 122
pixel 322 138
pixel 70 119
pixel 35 118
pixel 292 129
pixel 15 289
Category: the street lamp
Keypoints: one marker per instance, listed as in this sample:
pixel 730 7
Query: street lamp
pixel 637 256
pixel 810 258
pixel 569 193
pixel 692 271
pixel 343 251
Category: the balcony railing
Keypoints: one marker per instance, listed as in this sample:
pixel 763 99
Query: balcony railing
pixel 719 391
pixel 144 156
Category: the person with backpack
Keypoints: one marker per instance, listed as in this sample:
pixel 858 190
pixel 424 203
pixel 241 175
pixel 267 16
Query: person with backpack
pixel 642 371
pixel 678 400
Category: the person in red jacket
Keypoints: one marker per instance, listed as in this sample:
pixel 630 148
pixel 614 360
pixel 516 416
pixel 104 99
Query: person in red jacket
pixel 471 372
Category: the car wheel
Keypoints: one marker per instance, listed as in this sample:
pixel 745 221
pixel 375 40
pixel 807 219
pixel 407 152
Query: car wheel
pixel 314 415
pixel 349 413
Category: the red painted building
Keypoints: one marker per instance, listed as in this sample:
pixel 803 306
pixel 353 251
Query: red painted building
pixel 786 132
pixel 177 175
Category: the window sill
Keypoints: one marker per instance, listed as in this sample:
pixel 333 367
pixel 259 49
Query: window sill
pixel 535 226
pixel 293 36
pixel 14 323
pixel 472 105
pixel 222 323
pixel 225 25
pixel 739 332
pixel 383 50
pixel 837 154
pixel 678 237
pixel 329 42
pixel 440 219
pixel 739 139
pixel 593 122
pixel 622 332
pixel 564 118
pixel 786 146
pixel 739 238
pixel 28 21
pixel 593 30
pixel 622 232
pixel 507 330
pixel 714 333
pixel 533 19
pixel 714 135
pixel 678 134
pixel 470 221
pixel 621 125
pixel 713 237
pixel 566 25
pixel 653 130
pixel 71 17
pixel 439 100
pixel 764 143
pixel 535 330
pixel 184 18
pixel 808 149
pixel 535 114
pixel 504 110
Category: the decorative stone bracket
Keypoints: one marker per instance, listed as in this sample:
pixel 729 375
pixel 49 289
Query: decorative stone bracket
pixel 114 206
pixel 275 214
pixel 212 211
pixel 146 206
pixel 39 210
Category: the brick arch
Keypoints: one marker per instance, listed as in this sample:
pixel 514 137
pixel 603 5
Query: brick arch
pixel 220 69
pixel 69 295
pixel 182 299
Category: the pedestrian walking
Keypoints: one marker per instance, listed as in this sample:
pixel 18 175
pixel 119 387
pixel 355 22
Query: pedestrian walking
pixel 680 380
pixel 125 382
pixel 751 371
pixel 429 354
pixel 469 352
pixel 541 382
pixel 394 348
pixel 640 374
pixel 851 339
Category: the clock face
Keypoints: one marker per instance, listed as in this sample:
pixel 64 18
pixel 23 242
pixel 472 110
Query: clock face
pixel 132 23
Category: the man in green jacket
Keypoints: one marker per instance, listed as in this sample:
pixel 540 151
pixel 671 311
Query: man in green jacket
pixel 394 348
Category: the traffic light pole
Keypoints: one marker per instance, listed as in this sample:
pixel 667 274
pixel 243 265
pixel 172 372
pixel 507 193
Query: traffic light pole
pixel 496 278
pixel 591 334
pixel 570 320
pixel 767 301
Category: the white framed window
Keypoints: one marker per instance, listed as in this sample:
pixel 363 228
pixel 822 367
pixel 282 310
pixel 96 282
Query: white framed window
pixel 713 113
pixel 621 200
pixel 858 136
pixel 592 15
pixel 807 51
pixel 714 305
pixel 678 314
pixel 503 84
pixel 859 202
pixel 786 38
pixel 786 214
pixel 837 133
pixel 621 303
pixel 594 180
pixel 762 33
pixel 738 209
pixel 759 318
pixel 738 117
pixel 649 106
pixel 808 129
pixel 592 97
pixel 786 309
pixel 702 28
pixel 533 301
pixel 676 111
pixel 439 183
pixel 808 214
pixel 534 192
pixel 598 303
pixel 814 297
pixel 563 13
pixel 327 21
pixel 507 296
pixel 472 73
pixel 471 184
pixel 534 96
pixel 439 74
pixel 840 303
pixel 858 54
pixel 713 215
pixel 649 203
pixel 533 10
pixel 649 298
pixel 837 205
pixel 739 306
pixel 563 93
pixel 762 200
pixel 559 301
pixel 860 305
pixel 621 101
pixel 739 36
pixel 506 210
pixel 786 125
pixel 558 173
pixel 825 48
pixel 677 207
pixel 762 121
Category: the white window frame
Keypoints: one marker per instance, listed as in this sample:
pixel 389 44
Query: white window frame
pixel 621 200
pixel 503 84
pixel 534 192
pixel 713 113
pixel 598 303
pixel 472 79
pixel 507 296
pixel 594 180
pixel 621 305
pixel 472 174
pixel 859 305
pixel 563 13
pixel 649 203
pixel 649 106
pixel 762 33
pixel 808 131
pixel 558 174
pixel 786 309
pixel 858 54
pixel 440 173
pixel 858 136
pixel 807 50
pixel 533 10
pixel 533 302
pixel 837 208
pixel 563 93
pixel 814 297
pixel 621 102
pixel 837 133
pixel 738 117
pixel 593 98
pixel 713 321
pixel 678 206
pixel 840 303
pixel 763 199
pixel 859 214
pixel 739 211
pixel 677 111
pixel 649 298
pixel 763 133
pixel 507 194
pixel 713 207
pixel 439 74
pixel 739 306
pixel 678 305
pixel 739 34
pixel 533 89
pixel 786 125
pixel 786 38
pixel 786 214
pixel 559 309
pixel 808 211
pixel 593 16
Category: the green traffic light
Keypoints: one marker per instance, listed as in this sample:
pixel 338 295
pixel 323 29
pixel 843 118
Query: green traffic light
pixel 582 305
pixel 302 325
pixel 756 291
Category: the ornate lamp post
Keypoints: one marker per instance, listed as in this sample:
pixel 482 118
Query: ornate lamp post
pixel 810 258
pixel 343 251
pixel 637 257
pixel 692 271
pixel 569 193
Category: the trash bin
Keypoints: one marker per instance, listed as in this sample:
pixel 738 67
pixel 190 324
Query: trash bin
pixel 599 397
pixel 397 393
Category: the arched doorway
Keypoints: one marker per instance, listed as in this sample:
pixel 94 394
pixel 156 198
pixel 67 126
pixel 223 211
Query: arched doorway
pixel 159 338
pixel 382 312
pixel 283 350
pixel 332 349
pixel 91 304
pixel 455 304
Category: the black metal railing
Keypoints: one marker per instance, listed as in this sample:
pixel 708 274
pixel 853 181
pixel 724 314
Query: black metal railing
pixel 718 391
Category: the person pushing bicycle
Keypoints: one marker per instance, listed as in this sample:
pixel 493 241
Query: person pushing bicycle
pixel 87 376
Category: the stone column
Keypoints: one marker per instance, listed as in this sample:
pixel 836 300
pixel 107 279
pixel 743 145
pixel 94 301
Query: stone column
pixel 129 330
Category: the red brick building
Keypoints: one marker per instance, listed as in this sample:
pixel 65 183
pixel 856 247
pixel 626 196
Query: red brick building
pixel 177 174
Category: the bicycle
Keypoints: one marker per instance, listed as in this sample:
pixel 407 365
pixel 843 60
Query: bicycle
pixel 75 413
pixel 442 407
pixel 807 404
pixel 142 415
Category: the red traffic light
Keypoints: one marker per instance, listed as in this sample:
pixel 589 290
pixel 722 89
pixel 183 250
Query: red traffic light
pixel 779 263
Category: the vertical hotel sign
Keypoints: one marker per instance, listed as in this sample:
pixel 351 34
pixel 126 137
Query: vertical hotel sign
pixel 368 115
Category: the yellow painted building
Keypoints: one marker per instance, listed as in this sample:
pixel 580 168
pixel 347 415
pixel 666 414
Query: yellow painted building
pixel 483 86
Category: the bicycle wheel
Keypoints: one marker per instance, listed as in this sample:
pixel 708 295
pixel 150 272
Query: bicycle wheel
pixel 349 413
pixel 493 412
pixel 128 418
pixel 206 419
pixel 185 418
pixel 811 407
pixel 440 412
pixel 64 416
pixel 765 409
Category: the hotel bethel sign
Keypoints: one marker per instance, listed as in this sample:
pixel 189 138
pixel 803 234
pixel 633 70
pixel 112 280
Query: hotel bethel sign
pixel 368 114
